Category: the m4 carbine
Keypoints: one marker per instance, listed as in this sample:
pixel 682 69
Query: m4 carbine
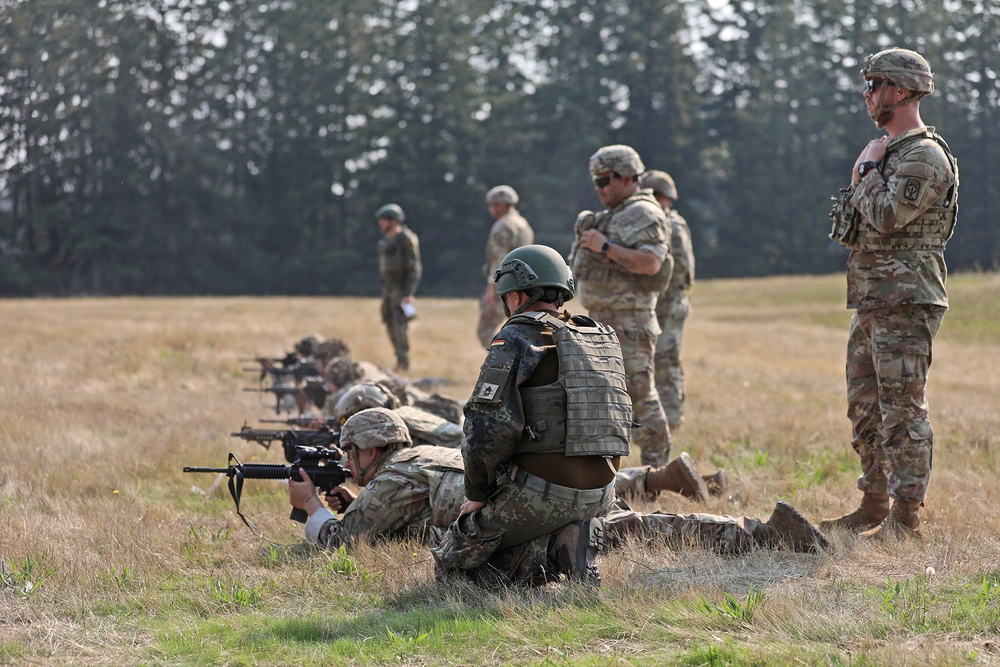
pixel 321 464
pixel 291 439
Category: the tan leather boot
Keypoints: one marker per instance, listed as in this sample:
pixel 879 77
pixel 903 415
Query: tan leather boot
pixel 873 510
pixel 716 483
pixel 903 521
pixel 574 549
pixel 788 528
pixel 679 476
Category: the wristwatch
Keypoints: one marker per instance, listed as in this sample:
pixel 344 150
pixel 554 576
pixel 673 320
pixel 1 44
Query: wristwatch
pixel 606 246
pixel 867 166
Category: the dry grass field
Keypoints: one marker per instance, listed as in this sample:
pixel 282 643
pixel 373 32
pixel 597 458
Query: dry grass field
pixel 109 554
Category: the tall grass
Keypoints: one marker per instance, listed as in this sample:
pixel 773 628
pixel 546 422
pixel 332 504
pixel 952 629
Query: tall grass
pixel 109 554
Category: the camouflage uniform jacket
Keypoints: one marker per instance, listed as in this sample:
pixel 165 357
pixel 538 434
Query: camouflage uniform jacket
pixel 682 251
pixel 494 414
pixel 415 490
pixel 916 175
pixel 508 232
pixel 639 223
pixel 399 263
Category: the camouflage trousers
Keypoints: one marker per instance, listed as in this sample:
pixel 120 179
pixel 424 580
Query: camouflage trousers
pixel 397 324
pixel 722 533
pixel 888 357
pixel 514 526
pixel 671 315
pixel 637 337
pixel 490 318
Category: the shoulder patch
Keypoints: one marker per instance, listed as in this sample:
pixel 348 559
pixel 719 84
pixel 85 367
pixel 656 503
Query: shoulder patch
pixel 911 190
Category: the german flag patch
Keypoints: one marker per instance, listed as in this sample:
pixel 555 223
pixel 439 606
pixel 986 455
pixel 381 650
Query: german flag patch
pixel 498 341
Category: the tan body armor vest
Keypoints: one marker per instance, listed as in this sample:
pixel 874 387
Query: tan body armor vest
pixel 931 230
pixel 587 410
pixel 598 268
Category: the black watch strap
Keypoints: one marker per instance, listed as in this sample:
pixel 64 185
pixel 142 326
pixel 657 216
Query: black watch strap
pixel 606 246
pixel 867 166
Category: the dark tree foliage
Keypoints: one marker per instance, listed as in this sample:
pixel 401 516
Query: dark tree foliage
pixel 242 147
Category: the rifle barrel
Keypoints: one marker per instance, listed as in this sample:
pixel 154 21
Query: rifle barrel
pixel 197 469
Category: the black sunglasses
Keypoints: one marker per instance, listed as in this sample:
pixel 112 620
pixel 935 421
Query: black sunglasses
pixel 602 182
pixel 871 85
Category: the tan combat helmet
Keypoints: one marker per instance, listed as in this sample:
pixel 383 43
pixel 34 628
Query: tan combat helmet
pixel 617 158
pixel 360 397
pixel 375 427
pixel 659 182
pixel 904 68
pixel 502 194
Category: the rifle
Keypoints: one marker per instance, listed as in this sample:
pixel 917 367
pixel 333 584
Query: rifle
pixel 291 439
pixel 314 388
pixel 327 422
pixel 298 371
pixel 322 465
pixel 287 361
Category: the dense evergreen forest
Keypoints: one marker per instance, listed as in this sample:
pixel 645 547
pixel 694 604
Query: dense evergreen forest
pixel 238 147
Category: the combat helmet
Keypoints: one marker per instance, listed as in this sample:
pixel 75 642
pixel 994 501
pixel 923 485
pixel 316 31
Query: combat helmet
pixel 617 158
pixel 659 182
pixel 393 211
pixel 904 68
pixel 502 194
pixel 375 427
pixel 307 346
pixel 537 270
pixel 360 397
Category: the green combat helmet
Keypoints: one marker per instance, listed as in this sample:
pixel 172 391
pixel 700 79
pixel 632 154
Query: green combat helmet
pixel 362 396
pixel 537 270
pixel 659 182
pixel 393 211
pixel 502 194
pixel 618 158
pixel 375 427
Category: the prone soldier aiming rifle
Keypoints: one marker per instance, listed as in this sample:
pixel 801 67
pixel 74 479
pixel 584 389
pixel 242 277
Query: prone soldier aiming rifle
pixel 314 389
pixel 291 439
pixel 321 464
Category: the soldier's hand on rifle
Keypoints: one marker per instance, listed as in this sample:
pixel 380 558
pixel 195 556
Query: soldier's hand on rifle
pixel 339 498
pixel 302 495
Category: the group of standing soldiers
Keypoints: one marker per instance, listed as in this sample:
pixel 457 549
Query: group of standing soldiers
pixel 561 397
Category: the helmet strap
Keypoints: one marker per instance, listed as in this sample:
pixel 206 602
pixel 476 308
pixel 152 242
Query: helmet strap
pixel 374 465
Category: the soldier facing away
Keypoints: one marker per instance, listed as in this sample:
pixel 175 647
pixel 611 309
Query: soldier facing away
pixel 904 189
pixel 621 261
pixel 399 269
pixel 509 231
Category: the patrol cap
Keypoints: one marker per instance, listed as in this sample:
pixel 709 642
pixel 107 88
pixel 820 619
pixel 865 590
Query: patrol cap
pixel 502 194
pixel 393 211
pixel 619 158
pixel 659 182
pixel 375 427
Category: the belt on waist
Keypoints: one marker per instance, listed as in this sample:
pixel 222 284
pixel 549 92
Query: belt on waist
pixel 526 480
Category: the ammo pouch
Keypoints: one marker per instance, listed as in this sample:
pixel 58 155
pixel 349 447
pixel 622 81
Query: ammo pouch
pixel 846 219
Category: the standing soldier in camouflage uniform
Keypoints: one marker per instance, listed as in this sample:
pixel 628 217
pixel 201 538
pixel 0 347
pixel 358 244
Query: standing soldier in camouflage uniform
pixel 400 269
pixel 904 189
pixel 510 230
pixel 408 491
pixel 673 304
pixel 621 260
pixel 545 428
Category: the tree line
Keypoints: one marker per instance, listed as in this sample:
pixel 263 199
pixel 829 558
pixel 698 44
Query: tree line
pixel 237 147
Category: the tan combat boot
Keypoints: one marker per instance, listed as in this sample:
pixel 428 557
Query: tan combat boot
pixel 716 483
pixel 574 549
pixel 903 521
pixel 679 476
pixel 788 528
pixel 873 510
